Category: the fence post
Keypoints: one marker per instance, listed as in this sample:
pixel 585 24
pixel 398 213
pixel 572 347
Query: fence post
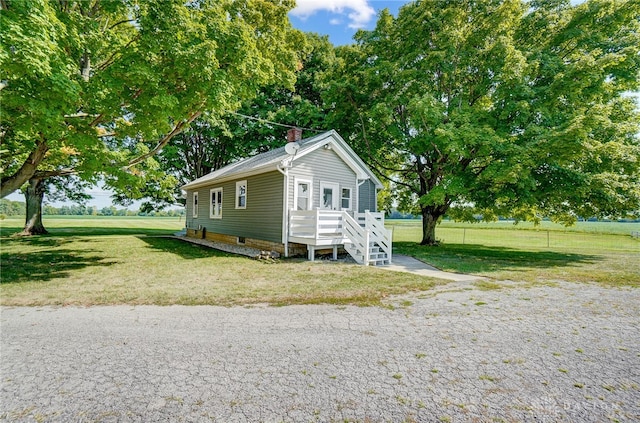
pixel 548 239
pixel 464 234
pixel 366 248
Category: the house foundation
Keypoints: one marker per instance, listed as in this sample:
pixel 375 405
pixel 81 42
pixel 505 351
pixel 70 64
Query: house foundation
pixel 295 249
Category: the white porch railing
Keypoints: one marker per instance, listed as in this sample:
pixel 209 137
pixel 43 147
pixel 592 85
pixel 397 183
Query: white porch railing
pixel 361 217
pixel 360 240
pixel 364 236
pixel 382 236
pixel 318 225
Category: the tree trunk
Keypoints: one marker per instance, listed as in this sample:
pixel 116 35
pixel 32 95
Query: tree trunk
pixel 34 195
pixel 429 223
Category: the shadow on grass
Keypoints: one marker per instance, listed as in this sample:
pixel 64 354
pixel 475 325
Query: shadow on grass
pixel 43 266
pixel 184 249
pixel 482 259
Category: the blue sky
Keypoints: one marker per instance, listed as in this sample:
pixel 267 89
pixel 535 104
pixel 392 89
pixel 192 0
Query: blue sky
pixel 340 19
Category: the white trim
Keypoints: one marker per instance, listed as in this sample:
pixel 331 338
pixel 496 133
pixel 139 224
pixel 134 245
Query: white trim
pixel 215 213
pixel 194 203
pixel 237 197
pixel 309 182
pixel 285 209
pixel 350 198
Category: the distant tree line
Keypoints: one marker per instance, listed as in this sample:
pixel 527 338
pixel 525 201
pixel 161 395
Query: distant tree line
pixel 18 208
pixel 12 208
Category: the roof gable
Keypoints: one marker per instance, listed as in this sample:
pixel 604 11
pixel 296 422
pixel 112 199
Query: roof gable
pixel 279 158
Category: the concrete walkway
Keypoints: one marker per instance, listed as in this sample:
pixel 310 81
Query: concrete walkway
pixel 401 263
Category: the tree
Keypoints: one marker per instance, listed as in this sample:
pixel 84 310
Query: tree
pixel 57 188
pixel 211 143
pixel 11 208
pixel 97 88
pixel 497 108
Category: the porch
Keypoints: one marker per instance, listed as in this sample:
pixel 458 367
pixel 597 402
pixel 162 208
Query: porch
pixel 362 235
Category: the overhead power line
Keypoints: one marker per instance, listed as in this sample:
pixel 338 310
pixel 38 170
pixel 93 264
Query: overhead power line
pixel 276 123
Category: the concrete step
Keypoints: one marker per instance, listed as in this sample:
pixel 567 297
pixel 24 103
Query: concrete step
pixel 378 256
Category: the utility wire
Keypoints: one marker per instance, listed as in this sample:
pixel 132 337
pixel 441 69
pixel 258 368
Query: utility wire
pixel 276 123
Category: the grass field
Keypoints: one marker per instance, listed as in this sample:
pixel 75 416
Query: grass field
pixel 96 225
pixel 90 261
pixel 601 252
pixel 124 260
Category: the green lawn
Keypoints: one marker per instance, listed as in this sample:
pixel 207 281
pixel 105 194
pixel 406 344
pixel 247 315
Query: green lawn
pixel 124 260
pixel 78 263
pixel 601 252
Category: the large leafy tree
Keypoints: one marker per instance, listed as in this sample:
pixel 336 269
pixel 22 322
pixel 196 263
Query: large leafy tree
pixel 212 142
pixel 498 108
pixel 97 88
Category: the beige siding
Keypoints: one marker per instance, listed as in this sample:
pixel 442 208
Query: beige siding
pixel 322 166
pixel 262 217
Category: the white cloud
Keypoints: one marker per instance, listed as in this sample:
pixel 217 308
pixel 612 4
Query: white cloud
pixel 360 15
pixel 335 21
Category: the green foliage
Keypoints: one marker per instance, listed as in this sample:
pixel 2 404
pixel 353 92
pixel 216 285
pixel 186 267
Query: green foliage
pixel 301 106
pixel 12 208
pixel 102 86
pixel 497 108
pixel 213 142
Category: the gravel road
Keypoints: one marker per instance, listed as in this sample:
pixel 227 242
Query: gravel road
pixel 569 352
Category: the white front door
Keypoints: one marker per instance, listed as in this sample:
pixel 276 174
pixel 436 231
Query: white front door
pixel 329 196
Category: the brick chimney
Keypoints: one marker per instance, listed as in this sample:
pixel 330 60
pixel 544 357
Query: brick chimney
pixel 294 134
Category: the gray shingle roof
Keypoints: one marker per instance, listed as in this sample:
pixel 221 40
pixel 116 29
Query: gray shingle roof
pixel 264 161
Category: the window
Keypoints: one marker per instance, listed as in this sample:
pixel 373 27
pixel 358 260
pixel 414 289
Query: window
pixel 215 211
pixel 302 195
pixel 346 199
pixel 195 204
pixel 241 195
pixel 327 198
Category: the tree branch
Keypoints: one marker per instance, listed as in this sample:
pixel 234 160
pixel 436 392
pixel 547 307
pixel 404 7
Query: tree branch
pixel 389 178
pixel 44 174
pixel 112 58
pixel 121 22
pixel 26 171
pixel 164 140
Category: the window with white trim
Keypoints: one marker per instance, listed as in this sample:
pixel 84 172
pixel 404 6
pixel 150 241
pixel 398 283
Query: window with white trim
pixel 215 203
pixel 195 204
pixel 345 199
pixel 302 195
pixel 241 195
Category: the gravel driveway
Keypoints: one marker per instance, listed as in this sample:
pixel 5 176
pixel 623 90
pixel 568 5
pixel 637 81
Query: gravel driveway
pixel 564 353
